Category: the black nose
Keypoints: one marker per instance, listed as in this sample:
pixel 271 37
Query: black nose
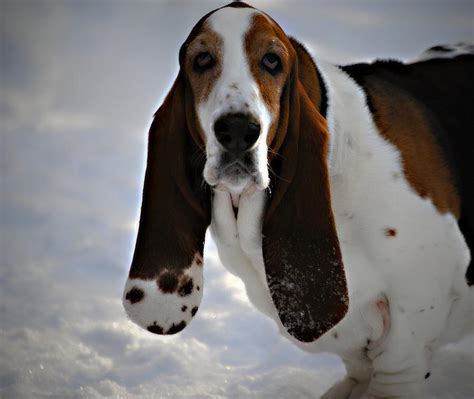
pixel 236 132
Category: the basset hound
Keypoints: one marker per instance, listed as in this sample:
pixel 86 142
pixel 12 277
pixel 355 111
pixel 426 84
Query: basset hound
pixel 341 196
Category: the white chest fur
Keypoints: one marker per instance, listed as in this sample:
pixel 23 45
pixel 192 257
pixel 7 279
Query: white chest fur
pixel 239 244
pixel 395 245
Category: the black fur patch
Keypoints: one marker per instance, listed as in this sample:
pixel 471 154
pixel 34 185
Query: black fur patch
pixel 194 311
pixel 187 288
pixel 155 329
pixel 135 295
pixel 176 328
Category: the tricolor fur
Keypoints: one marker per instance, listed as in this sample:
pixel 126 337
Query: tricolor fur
pixel 340 196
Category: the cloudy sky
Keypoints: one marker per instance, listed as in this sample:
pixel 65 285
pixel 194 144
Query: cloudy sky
pixel 80 81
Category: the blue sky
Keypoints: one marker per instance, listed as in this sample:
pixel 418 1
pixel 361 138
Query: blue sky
pixel 80 81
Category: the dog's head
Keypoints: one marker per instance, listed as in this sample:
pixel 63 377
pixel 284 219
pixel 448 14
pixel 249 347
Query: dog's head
pixel 247 101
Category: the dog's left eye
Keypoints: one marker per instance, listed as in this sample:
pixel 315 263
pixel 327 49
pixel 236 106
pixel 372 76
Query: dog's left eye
pixel 271 63
pixel 203 61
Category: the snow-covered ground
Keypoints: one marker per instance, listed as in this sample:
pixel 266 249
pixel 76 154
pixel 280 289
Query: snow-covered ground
pixel 80 82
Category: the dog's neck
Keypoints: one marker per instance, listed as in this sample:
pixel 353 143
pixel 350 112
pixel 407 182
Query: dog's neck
pixel 353 155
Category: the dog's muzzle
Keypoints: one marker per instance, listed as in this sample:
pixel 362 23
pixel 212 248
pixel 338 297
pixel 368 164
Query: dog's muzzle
pixel 237 133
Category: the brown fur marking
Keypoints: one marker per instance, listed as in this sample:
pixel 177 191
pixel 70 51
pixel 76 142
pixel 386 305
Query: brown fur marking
pixel 405 122
pixel 198 259
pixel 202 83
pixel 390 232
pixel 265 36
pixel 168 282
pixel 308 73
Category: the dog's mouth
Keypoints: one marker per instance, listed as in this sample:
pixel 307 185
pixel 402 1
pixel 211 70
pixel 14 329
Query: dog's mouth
pixel 238 178
pixel 237 169
pixel 235 173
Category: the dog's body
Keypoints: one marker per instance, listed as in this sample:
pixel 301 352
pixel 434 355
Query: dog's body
pixel 405 261
pixel 399 201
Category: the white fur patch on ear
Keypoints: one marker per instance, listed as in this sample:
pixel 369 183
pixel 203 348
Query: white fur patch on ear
pixel 166 305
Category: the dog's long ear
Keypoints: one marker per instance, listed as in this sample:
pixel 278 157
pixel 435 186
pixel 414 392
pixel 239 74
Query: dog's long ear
pixel 165 283
pixel 301 251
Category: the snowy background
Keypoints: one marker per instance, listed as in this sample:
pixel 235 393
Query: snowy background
pixel 80 81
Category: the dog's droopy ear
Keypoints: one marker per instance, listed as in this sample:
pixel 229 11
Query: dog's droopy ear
pixel 303 261
pixel 165 284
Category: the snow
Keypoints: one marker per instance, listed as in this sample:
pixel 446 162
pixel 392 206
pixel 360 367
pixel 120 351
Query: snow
pixel 80 83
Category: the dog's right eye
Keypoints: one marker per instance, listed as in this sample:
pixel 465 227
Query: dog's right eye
pixel 203 61
pixel 272 63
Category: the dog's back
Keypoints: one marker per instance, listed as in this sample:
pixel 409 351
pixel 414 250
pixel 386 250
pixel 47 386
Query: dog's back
pixel 444 88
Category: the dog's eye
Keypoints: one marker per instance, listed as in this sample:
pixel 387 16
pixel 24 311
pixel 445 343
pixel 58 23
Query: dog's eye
pixel 271 63
pixel 203 61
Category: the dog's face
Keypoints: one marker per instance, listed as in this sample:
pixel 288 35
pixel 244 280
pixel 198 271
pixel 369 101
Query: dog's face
pixel 237 65
pixel 247 92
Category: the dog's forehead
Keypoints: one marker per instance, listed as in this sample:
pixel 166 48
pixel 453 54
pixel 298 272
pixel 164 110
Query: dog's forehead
pixel 231 23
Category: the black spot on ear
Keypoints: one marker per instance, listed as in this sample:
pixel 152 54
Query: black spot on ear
pixel 135 295
pixel 176 328
pixel 194 310
pixel 183 309
pixel 168 282
pixel 198 288
pixel 427 375
pixel 155 329
pixel 186 288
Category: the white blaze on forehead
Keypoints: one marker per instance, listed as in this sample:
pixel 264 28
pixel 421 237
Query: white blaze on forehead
pixel 235 91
